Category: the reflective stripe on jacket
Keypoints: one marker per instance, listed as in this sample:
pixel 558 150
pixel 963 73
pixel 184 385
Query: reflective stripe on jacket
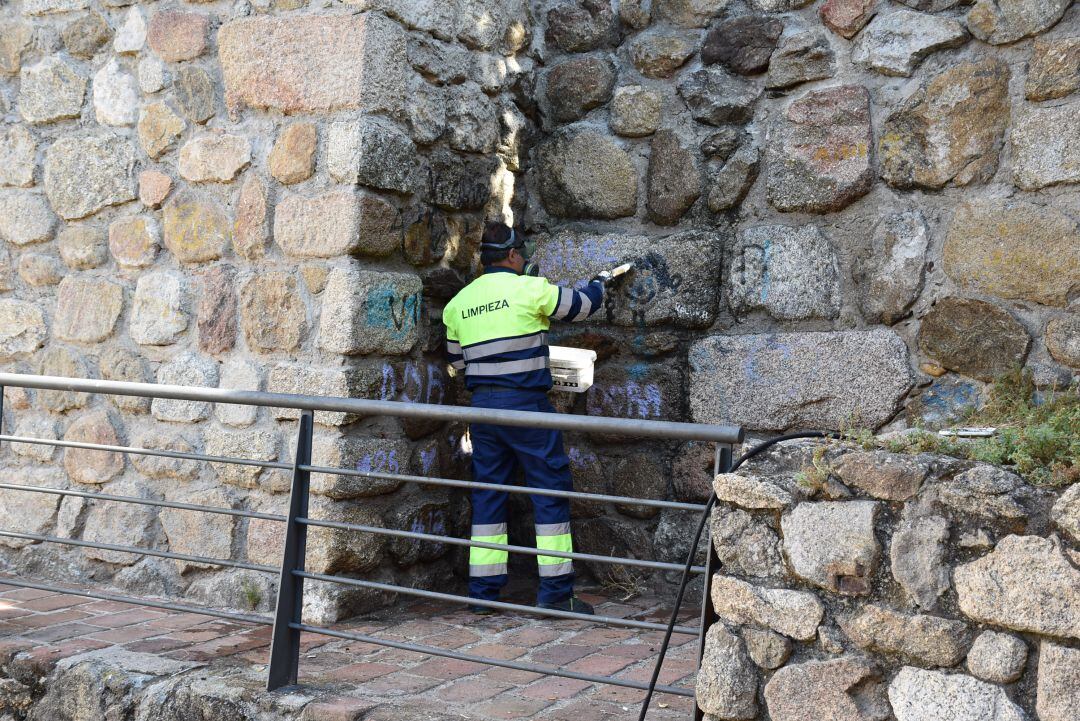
pixel 496 327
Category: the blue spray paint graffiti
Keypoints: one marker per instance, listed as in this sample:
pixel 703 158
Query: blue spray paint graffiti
pixel 386 308
pixel 418 382
pixel 627 400
pixel 380 461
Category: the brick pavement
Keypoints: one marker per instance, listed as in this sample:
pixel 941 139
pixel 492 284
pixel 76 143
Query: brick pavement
pixel 353 678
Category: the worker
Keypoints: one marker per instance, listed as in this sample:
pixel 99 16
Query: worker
pixel 496 331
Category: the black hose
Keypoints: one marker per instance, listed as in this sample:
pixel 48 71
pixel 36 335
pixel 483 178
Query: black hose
pixel 765 445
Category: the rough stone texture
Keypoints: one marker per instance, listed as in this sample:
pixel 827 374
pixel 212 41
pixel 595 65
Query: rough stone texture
pixel 716 97
pixel 159 309
pixel 93 467
pixel 1004 21
pixel 1043 153
pixel 159 127
pixel 152 74
pixel 746 546
pixel 997 657
pixel 984 491
pixel 251 231
pixel 215 320
pixel 25 217
pixel 577 86
pixel 895 44
pixel 787 380
pixel 119 364
pixel 87 172
pixel 369 455
pixel 950 130
pixel 917 558
pixel 795 614
pixel 1059 679
pixel 1025 584
pixel 186 369
pixel 584 174
pixel 35 426
pixel 116 95
pixel 160 438
pixel 791 273
pixel 133 241
pixel 1066 513
pixel 195 230
pixel 50 90
pixel 847 17
pixel 175 35
pixel 727 680
pixel 928 640
pixel 258 445
pixel 65 363
pixel 366 311
pixel 674 179
pixel 888 476
pixel 373 152
pixel 729 184
pixel 674 280
pixel 82 247
pixel 154 188
pixel 918 695
pixel 87 309
pixel 272 313
pixel 18 148
pixel 801 58
pixel 832 544
pixel 194 94
pixel 819 160
pixel 579 28
pixel 750 492
pixel 659 54
pixel 84 35
pixel 313 63
pixel 319 227
pixel 1054 70
pixel 239 374
pixel 768 649
pixel 214 157
pixel 1063 339
pixel 193 533
pixel 131 36
pixel 127 524
pixel 842 689
pixel 635 111
pixel 990 248
pixel 972 337
pixel 742 44
pixel 293 156
pixel 889 270
pixel 40 270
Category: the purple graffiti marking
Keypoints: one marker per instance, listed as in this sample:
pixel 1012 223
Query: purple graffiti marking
pixel 628 400
pixel 427 460
pixel 379 462
pixel 419 383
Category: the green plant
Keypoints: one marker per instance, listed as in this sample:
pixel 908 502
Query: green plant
pixel 815 475
pixel 252 594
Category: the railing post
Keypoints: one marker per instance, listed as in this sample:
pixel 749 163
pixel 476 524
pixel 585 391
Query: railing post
pixel 721 464
pixel 285 646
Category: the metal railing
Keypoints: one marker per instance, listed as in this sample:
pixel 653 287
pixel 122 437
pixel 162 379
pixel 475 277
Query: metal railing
pixel 287 621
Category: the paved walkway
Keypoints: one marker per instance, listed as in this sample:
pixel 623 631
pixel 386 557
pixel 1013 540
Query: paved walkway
pixel 360 675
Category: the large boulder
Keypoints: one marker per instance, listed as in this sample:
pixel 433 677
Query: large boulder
pixel 1026 584
pixel 894 44
pixel 369 311
pixel 87 172
pixel 1013 249
pixel 950 130
pixel 792 273
pixel 786 380
pixel 585 174
pixel 1059 682
pixel 314 63
pixel 673 281
pixel 890 268
pixel 675 177
pixel 1042 153
pixel 972 337
pixel 928 640
pixel 999 22
pixel 727 680
pixel 795 614
pixel 819 154
pixel 918 695
pixel 832 544
pixel 917 558
pixel 841 689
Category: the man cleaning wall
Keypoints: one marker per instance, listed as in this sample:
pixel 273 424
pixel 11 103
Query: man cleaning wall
pixel 496 331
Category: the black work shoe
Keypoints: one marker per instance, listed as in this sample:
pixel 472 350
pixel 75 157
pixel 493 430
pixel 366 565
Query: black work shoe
pixel 483 610
pixel 574 605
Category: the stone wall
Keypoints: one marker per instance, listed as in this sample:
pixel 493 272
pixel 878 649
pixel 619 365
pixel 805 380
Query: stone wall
pixel 264 196
pixel 866 585
pixel 841 213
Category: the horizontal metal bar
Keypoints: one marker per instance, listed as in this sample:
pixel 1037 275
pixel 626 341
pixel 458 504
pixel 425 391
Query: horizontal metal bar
pixel 131 600
pixel 457 656
pixel 636 428
pixel 145 452
pixel 526 550
pixel 404 478
pixel 138 551
pixel 143 501
pixel 575 495
pixel 502 606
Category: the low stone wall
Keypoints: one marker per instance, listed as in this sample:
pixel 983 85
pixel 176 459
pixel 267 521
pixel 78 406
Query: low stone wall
pixel 865 585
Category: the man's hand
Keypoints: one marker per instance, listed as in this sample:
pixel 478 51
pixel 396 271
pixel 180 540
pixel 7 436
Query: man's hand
pixel 603 278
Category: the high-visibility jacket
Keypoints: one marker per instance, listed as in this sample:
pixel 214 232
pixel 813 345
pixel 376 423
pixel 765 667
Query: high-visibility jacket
pixel 496 327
